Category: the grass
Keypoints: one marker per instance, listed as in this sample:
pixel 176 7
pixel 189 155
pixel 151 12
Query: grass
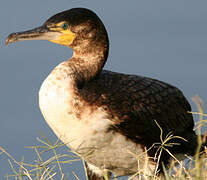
pixel 194 168
pixel 41 169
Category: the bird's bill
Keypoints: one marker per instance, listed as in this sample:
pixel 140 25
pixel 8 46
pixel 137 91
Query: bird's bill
pixel 40 33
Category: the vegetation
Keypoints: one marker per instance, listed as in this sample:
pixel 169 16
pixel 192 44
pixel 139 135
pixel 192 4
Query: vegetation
pixel 193 168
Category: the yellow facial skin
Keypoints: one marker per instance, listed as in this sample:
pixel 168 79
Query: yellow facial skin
pixel 66 37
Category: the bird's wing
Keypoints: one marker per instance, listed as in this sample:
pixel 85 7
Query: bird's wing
pixel 134 103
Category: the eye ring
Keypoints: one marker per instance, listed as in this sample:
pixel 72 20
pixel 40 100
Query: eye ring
pixel 65 26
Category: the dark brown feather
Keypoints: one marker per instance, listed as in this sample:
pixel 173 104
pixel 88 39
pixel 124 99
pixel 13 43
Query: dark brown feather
pixel 133 103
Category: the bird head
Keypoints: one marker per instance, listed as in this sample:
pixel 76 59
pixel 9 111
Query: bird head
pixel 74 27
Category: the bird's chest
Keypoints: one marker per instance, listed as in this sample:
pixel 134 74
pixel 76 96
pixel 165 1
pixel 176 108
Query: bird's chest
pixel 85 128
pixel 77 124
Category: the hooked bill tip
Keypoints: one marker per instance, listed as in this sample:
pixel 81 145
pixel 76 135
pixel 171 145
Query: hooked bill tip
pixel 11 38
pixel 7 41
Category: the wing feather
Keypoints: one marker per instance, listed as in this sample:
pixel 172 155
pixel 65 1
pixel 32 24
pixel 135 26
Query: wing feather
pixel 133 103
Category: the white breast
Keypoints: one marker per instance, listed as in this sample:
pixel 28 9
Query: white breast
pixel 87 133
pixel 57 102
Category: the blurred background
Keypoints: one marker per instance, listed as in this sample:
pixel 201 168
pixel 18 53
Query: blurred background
pixel 166 40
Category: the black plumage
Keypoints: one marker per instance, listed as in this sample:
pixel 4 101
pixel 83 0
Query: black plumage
pixel 134 103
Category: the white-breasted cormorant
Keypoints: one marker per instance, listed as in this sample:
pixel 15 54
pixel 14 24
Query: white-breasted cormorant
pixel 106 117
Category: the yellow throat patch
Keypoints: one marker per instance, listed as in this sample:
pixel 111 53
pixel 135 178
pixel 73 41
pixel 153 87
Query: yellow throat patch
pixel 66 38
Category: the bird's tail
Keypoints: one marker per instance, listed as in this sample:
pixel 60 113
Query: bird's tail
pixel 194 144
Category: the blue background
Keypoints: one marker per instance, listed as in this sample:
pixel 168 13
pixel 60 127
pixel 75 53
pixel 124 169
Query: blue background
pixel 161 39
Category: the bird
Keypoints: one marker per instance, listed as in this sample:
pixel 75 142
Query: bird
pixel 112 120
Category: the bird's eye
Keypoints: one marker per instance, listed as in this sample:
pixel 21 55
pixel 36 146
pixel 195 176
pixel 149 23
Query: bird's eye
pixel 65 26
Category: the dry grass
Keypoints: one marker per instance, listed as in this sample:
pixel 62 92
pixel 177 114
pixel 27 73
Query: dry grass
pixel 194 168
pixel 41 169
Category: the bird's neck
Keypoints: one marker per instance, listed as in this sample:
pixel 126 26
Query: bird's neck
pixel 87 63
